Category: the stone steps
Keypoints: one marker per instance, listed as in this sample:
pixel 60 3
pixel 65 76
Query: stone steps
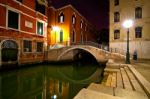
pixel 90 94
pixel 121 83
pixel 119 92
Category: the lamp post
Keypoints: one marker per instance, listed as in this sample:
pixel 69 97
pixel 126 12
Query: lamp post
pixel 55 29
pixel 127 24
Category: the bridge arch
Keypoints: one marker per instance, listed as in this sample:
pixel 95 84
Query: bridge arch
pixel 76 48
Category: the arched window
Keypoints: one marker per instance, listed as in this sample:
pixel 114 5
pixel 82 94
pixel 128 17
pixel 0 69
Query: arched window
pixel 61 18
pixel 73 19
pixel 10 44
pixel 138 12
pixel 116 17
pixel 81 24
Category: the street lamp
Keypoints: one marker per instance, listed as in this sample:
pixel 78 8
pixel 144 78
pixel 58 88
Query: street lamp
pixel 55 29
pixel 127 24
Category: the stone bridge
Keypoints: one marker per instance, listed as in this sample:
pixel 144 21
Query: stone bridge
pixel 68 53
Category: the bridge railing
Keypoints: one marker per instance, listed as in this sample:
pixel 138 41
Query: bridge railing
pixel 104 47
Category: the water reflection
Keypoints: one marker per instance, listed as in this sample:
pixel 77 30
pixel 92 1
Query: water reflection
pixel 47 81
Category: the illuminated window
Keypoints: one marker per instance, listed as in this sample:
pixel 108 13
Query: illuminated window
pixel 138 32
pixel 39 46
pixel 138 12
pixel 61 18
pixel 116 2
pixel 73 19
pixel 116 17
pixel 13 19
pixel 40 28
pixel 27 46
pixel 61 36
pixel 81 24
pixel 116 34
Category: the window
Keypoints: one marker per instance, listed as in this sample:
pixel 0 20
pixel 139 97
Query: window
pixel 40 28
pixel 85 27
pixel 116 34
pixel 61 18
pixel 138 32
pixel 81 37
pixel 27 46
pixel 39 47
pixel 40 7
pixel 19 0
pixel 116 2
pixel 73 19
pixel 138 12
pixel 61 36
pixel 13 19
pixel 73 36
pixel 116 17
pixel 81 24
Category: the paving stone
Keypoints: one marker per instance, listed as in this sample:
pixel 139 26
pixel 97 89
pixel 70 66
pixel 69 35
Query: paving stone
pixel 128 94
pixel 90 94
pixel 101 88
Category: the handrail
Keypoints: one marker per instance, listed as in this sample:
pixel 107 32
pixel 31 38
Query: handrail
pixel 92 44
pixel 103 47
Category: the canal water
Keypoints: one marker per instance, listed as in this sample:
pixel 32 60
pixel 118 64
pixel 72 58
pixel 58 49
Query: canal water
pixel 47 81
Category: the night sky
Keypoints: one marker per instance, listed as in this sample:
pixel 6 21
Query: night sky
pixel 95 11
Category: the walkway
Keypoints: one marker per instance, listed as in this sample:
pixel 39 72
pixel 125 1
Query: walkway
pixel 143 66
pixel 121 81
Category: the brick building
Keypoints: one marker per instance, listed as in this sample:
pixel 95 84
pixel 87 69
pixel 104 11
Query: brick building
pixel 29 27
pixel 23 31
pixel 67 26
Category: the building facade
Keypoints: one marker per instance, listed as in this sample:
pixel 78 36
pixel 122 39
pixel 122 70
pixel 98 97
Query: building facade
pixel 67 26
pixel 23 31
pixel 29 27
pixel 139 36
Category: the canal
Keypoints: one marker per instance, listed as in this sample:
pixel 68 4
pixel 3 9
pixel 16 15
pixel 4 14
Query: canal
pixel 50 81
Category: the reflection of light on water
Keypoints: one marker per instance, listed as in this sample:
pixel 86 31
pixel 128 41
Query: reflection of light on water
pixel 54 97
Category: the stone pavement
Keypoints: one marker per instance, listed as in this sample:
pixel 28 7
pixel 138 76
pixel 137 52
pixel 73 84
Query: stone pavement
pixel 121 81
pixel 142 66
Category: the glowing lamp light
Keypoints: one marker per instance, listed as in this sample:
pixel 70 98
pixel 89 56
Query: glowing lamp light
pixel 128 23
pixel 54 97
pixel 56 28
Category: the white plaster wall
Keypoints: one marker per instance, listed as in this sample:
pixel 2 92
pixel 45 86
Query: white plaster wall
pixel 142 48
